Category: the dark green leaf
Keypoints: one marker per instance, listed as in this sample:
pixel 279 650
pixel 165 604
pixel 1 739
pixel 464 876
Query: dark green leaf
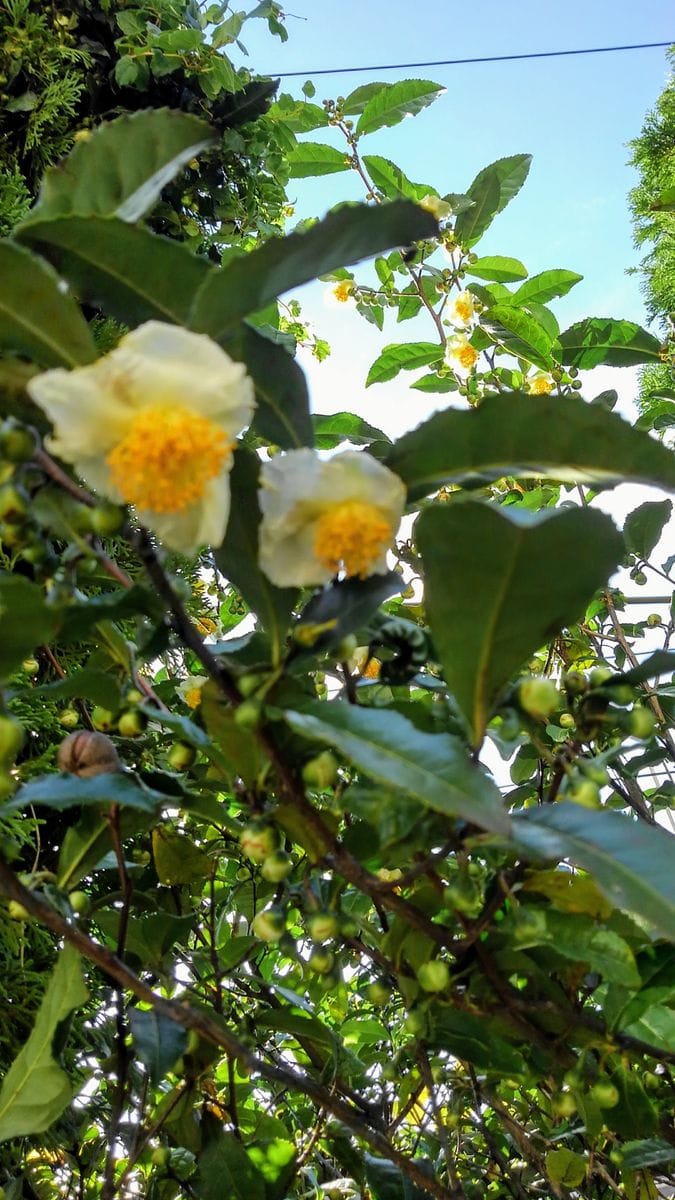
pixel 525 435
pixel 472 1038
pixel 492 189
pixel 658 663
pixel 432 767
pixel 88 684
pixel 298 115
pixel 403 356
pixel 634 1114
pixel 353 232
pixel 602 341
pixel 282 413
pixel 344 607
pixel 36 318
pixel 315 158
pixel 651 1152
pixel 59 792
pixel 566 1167
pixel 121 168
pixel 123 269
pixel 502 270
pixel 225 1169
pixel 499 584
pixel 644 526
pixel 386 1181
pixel 546 286
pixel 35 1089
pixel 237 558
pixel 330 429
pixel 158 1041
pixel 629 860
pixel 26 621
pixel 391 103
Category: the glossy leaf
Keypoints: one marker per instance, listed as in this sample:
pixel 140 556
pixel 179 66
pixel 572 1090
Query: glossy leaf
pixel 26 621
pixel 59 792
pixel 346 236
pixel 119 170
pixel 497 268
pixel 391 103
pixel 651 1152
pixel 282 412
pixel 121 268
pixel 35 1089
pixel 237 558
pixel 391 181
pixel 472 1037
pixel 546 286
pixel 36 317
pixel 225 1169
pixel 492 189
pixel 518 434
pixel 432 767
pixel 520 333
pixel 403 356
pixel 644 526
pixel 308 159
pixel 630 861
pixel 600 341
pixel 516 579
pixel 330 429
pixel 158 1041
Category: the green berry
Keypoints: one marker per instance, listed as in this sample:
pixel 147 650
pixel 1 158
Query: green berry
pixel 276 866
pixel 69 718
pixel 322 926
pixel 584 792
pixel 379 993
pixel 433 976
pixel 17 912
pixel 258 840
pixel 250 683
pixel 538 697
pixel 132 723
pixel 600 675
pixel 566 720
pixel 653 620
pixel 181 756
pixel 640 722
pixel 161 1156
pixel 80 903
pixel 605 1094
pixel 247 714
pixel 321 961
pixel 106 519
pixel 321 772
pixel 269 925
pixel 102 718
pixel 30 665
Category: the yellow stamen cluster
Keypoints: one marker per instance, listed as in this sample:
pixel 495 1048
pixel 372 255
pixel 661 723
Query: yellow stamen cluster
pixel 167 458
pixel 466 356
pixel 463 308
pixel 352 536
pixel 343 290
pixel 541 385
pixel 193 697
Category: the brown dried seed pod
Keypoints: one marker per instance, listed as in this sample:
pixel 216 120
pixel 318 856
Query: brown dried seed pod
pixel 87 754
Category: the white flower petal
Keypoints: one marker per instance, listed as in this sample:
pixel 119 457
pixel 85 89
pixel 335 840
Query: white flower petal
pixel 87 418
pixel 201 524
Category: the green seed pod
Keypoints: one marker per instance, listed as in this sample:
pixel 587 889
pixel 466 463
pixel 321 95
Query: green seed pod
pixel 269 925
pixel 321 772
pixel 538 697
pixel 102 718
pixel 276 866
pixel 321 962
pixel 132 723
pixel 181 756
pixel 433 976
pixel 258 840
pixel 247 715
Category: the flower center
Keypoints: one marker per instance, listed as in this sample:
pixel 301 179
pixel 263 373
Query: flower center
pixel 352 535
pixel 167 458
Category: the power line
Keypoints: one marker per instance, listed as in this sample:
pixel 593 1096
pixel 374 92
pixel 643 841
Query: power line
pixel 458 62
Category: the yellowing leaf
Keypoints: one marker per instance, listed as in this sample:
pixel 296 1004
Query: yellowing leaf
pixel 569 893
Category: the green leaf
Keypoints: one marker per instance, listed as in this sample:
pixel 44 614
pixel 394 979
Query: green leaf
pixel 520 333
pixel 630 861
pixel 356 101
pixel 158 1041
pixel 435 383
pixel 635 1113
pixel 59 792
pixel 492 189
pixel 150 936
pixel 583 940
pixel 566 1167
pixel 343 607
pixel 121 168
pixel 26 621
pixel 472 1038
pixel 225 1169
pixel 87 683
pixel 546 286
pixel 177 859
pixel 403 356
pixel 298 115
pixel 432 767
pixel 658 663
pixel 36 318
pixel 331 429
pixel 315 158
pixel 523 435
pixel 354 232
pixel 237 558
pixel 644 526
pixel 656 1026
pixel 123 269
pixel 390 180
pixel 35 1089
pixel 282 413
pixel 386 1181
pixel 650 1152
pixel 501 270
pixel 602 341
pixel 391 103
pixel 517 579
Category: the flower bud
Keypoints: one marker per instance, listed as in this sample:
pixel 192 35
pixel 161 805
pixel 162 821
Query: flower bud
pixel 132 723
pixel 181 756
pixel 269 925
pixel 102 718
pixel 640 722
pixel 321 962
pixel 258 840
pixel 322 926
pixel 538 697
pixel 321 772
pixel 433 976
pixel 88 754
pixel 276 866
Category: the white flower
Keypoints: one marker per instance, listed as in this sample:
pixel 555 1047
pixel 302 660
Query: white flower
pixel 460 349
pixel 153 424
pixel 462 310
pixel 440 209
pixel 320 517
pixel 190 690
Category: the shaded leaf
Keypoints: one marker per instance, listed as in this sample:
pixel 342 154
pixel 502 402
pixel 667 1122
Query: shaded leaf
pixel 516 580
pixel 343 607
pixel 650 1152
pixel 158 1041
pixel 282 413
pixel 330 429
pixel 432 767
pixel 603 341
pixel 59 792
pixel 36 317
pixel 26 621
pixel 644 526
pixel 225 1169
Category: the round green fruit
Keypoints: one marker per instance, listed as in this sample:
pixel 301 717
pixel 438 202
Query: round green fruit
pixel 11 739
pixel 415 1022
pixel 17 444
pixel 269 925
pixel 17 912
pixel 321 962
pixel 321 772
pixel 106 519
pixel 258 840
pixel 80 903
pixel 247 714
pixel 654 620
pixel 250 683
pixel 69 718
pixel 31 666
pixel 102 718
pixel 161 1156
pixel 132 723
pixel 379 993
pixel 433 976
pixel 584 792
pixel 181 756
pixel 276 866
pixel 538 697
pixel 641 723
pixel 566 721
pixel 605 1094
pixel 599 676
pixel 322 926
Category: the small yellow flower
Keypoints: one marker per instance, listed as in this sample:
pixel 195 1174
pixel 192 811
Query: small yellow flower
pixel 323 517
pixel 541 385
pixel 343 290
pixel 190 690
pixel 206 625
pixel 440 209
pixel 460 349
pixel 153 424
pixel 462 309
pixel 373 668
